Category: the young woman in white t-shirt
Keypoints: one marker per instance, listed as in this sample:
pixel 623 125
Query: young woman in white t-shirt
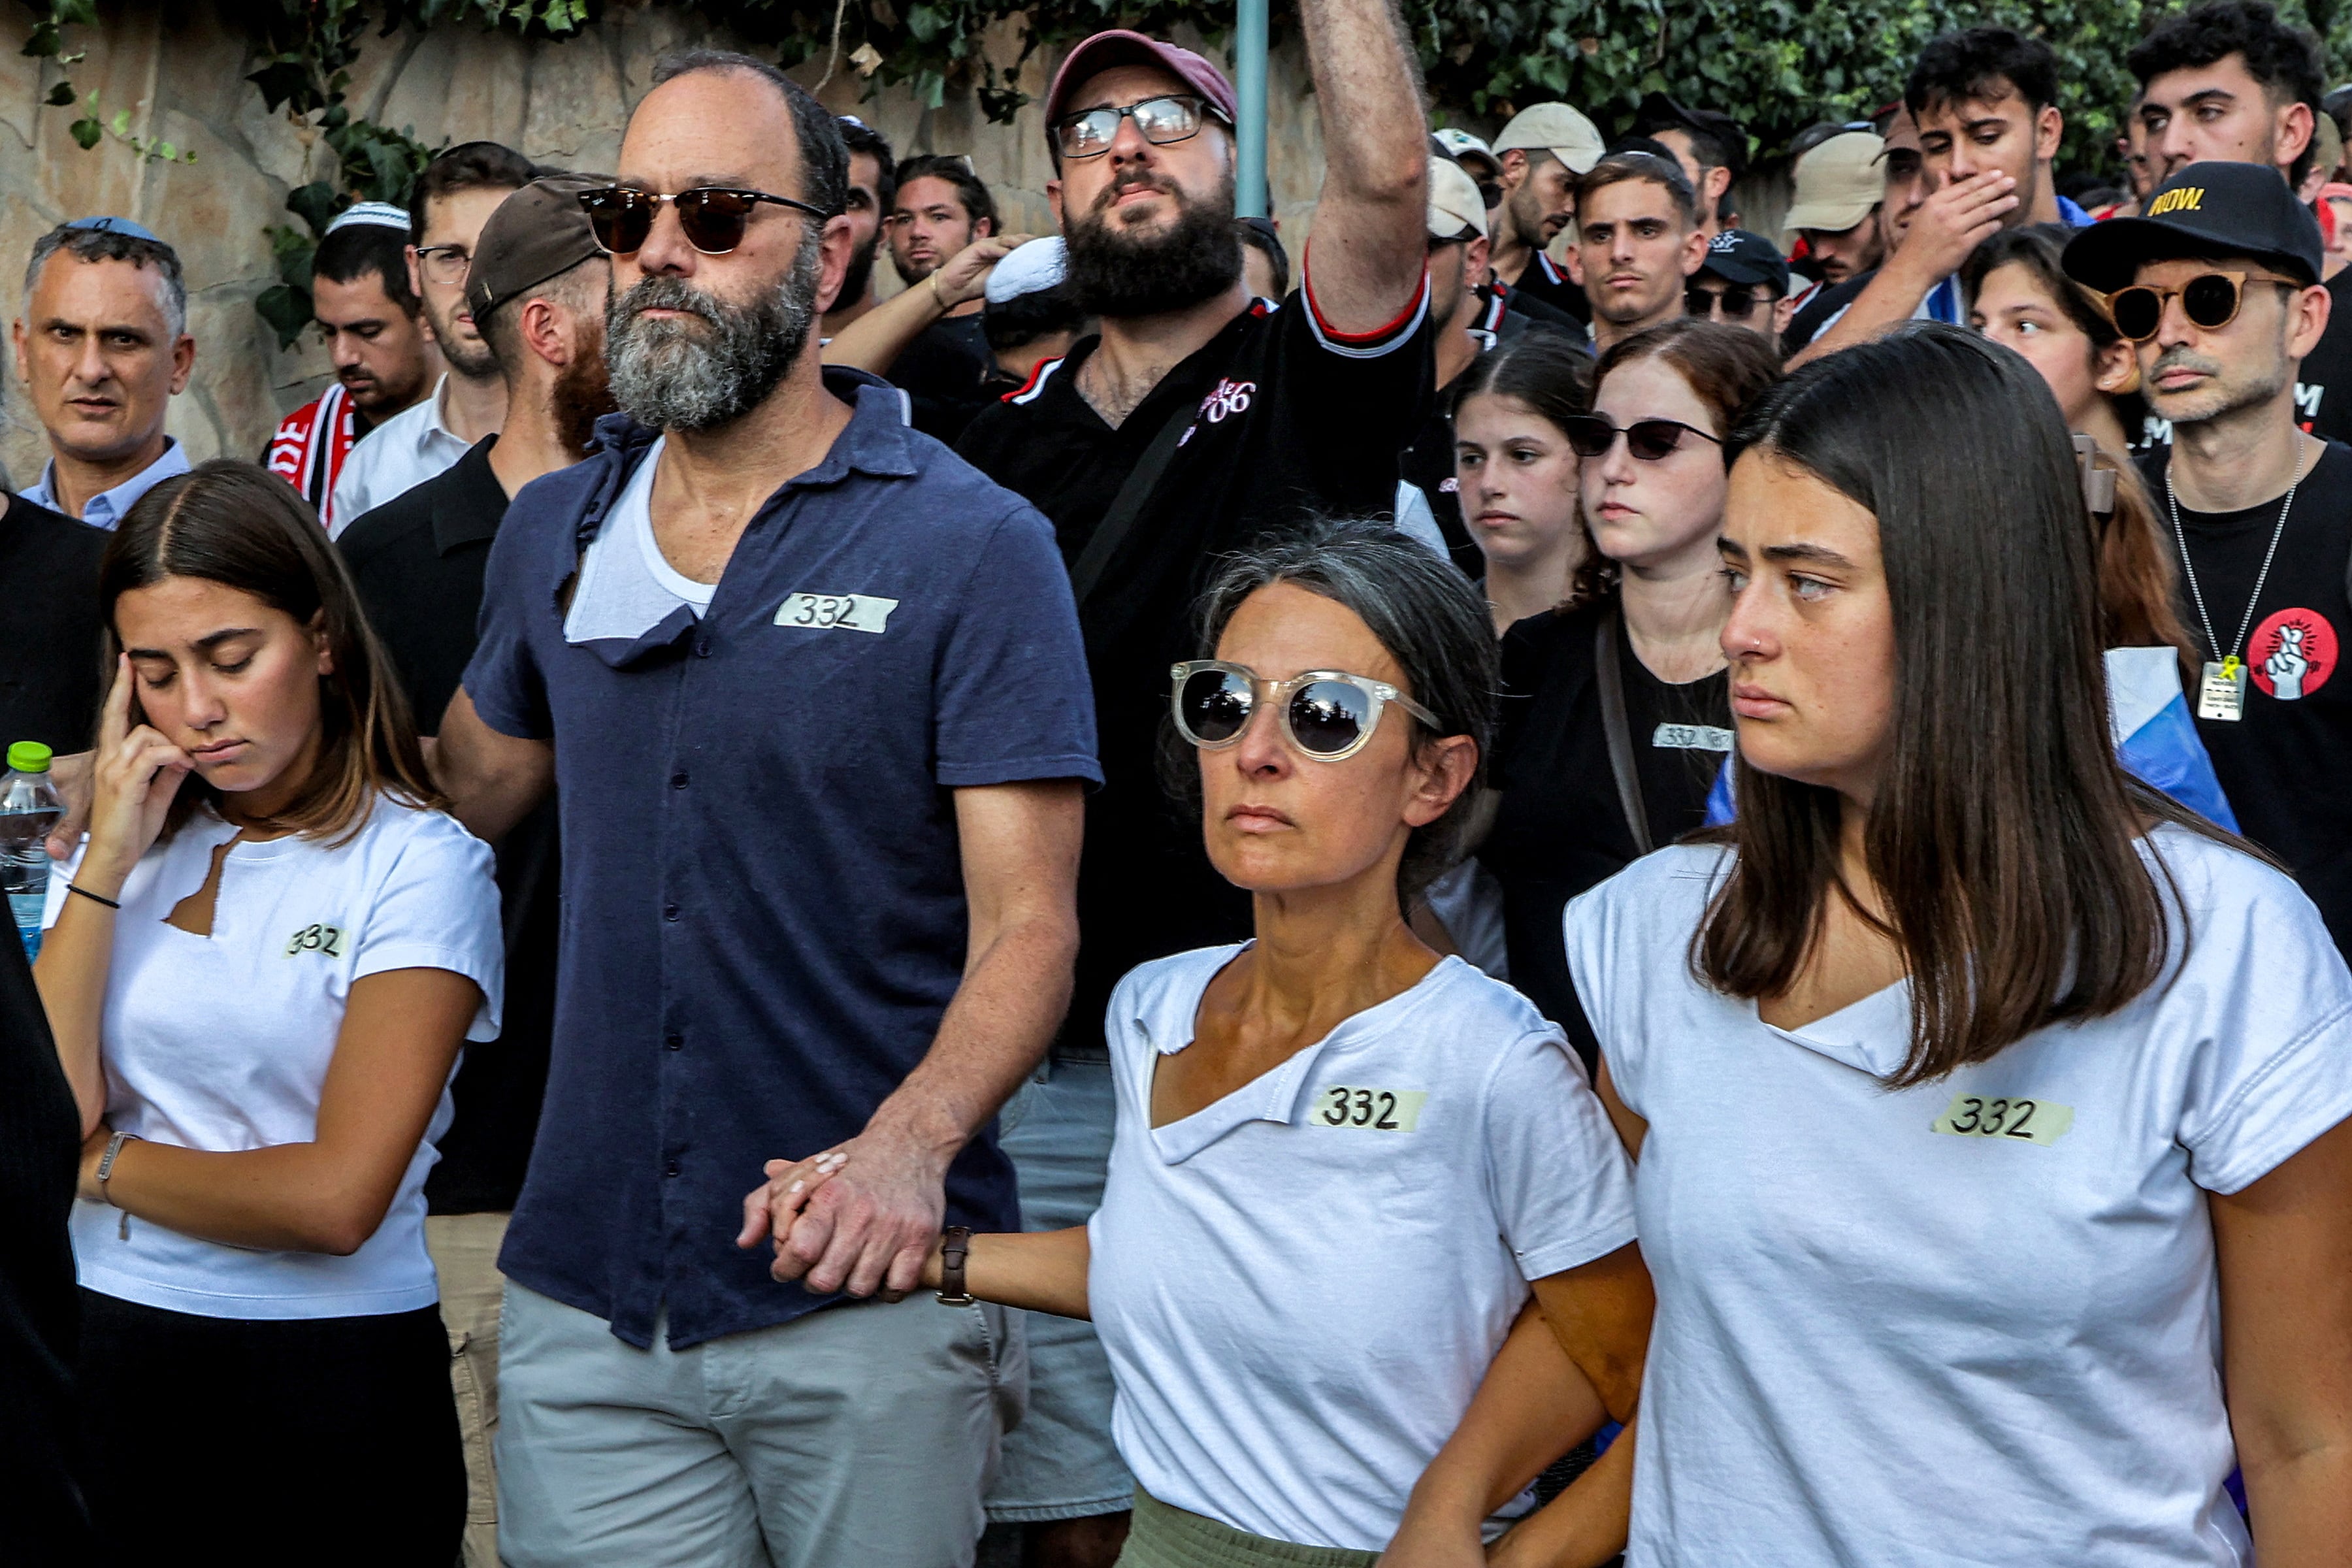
pixel 1339 1161
pixel 267 957
pixel 1990 1108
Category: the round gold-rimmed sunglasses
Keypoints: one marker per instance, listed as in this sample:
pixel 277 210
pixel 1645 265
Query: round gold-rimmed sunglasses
pixel 1326 714
pixel 2211 300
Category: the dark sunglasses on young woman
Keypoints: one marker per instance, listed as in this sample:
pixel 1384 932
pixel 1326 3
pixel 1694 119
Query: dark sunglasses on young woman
pixel 1590 435
pixel 713 216
pixel 2211 300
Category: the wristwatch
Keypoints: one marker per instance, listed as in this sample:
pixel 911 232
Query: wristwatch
pixel 953 1247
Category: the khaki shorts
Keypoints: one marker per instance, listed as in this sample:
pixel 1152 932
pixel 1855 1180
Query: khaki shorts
pixel 861 1434
pixel 1166 1537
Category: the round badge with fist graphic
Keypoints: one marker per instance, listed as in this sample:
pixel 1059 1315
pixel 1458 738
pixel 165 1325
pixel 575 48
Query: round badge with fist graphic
pixel 2291 654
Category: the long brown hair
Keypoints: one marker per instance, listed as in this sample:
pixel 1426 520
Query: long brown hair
pixel 1726 367
pixel 2003 836
pixel 238 525
pixel 2136 572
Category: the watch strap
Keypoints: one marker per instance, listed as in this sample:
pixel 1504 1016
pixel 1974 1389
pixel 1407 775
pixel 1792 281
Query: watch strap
pixel 954 1247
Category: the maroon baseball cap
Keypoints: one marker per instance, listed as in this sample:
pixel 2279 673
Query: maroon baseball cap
pixel 1118 47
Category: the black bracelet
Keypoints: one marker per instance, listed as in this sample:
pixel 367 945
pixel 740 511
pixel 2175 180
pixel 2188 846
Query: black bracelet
pixel 93 898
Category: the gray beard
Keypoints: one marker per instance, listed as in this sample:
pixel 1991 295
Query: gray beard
pixel 671 375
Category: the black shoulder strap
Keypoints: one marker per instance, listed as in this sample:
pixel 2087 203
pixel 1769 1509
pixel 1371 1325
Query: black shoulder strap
pixel 1611 675
pixel 1127 506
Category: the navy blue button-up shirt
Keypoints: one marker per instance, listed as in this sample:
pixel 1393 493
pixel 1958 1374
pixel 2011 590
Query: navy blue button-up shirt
pixel 763 905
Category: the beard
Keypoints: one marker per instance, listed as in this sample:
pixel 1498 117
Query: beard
pixel 471 360
pixel 677 375
pixel 1115 271
pixel 854 281
pixel 583 394
pixel 2224 393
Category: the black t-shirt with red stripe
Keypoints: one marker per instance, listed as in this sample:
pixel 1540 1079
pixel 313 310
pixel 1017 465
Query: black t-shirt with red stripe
pixel 1288 419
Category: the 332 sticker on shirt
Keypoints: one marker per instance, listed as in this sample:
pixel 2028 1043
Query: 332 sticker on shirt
pixel 1367 1109
pixel 835 611
pixel 1989 1116
pixel 328 940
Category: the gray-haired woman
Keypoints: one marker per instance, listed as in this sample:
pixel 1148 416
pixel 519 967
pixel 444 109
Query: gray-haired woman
pixel 1340 1160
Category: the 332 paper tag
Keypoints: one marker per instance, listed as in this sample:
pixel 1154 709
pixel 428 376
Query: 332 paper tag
pixel 2027 1120
pixel 1372 1109
pixel 835 611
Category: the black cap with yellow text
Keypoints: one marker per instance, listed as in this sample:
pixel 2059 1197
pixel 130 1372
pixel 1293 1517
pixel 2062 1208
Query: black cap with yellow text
pixel 2221 211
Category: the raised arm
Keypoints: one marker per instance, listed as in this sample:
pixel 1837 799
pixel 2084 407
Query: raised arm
pixel 1368 254
pixel 874 342
pixel 870 1225
pixel 2284 1250
pixel 493 781
pixel 401 1030
pixel 1947 226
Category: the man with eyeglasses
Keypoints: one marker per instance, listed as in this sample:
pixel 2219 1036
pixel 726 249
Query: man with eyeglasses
pixel 814 700
pixel 1194 422
pixel 454 197
pixel 2217 285
pixel 1743 281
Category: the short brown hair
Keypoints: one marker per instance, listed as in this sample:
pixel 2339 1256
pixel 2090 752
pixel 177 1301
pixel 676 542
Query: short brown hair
pixel 1620 167
pixel 239 525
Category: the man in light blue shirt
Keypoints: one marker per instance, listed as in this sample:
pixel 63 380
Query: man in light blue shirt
pixel 103 347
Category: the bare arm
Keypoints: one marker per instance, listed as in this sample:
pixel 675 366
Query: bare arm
pixel 870 1225
pixel 1947 226
pixel 2284 1250
pixel 1042 1270
pixel 401 1033
pixel 132 778
pixel 1368 254
pixel 493 781
pixel 874 342
pixel 1630 1129
pixel 1573 1359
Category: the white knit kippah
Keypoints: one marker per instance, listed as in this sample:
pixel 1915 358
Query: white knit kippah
pixel 383 214
pixel 1031 269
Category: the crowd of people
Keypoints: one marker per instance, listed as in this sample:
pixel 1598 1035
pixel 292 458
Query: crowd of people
pixel 1557 883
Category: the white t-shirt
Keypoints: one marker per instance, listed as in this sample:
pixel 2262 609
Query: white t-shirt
pixel 411 446
pixel 222 1042
pixel 1301 1286
pixel 1971 1322
pixel 627 587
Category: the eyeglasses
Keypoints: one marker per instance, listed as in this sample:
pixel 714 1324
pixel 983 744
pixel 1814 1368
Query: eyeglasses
pixel 713 216
pixel 2210 300
pixel 1090 132
pixel 1739 304
pixel 444 264
pixel 1590 436
pixel 1326 714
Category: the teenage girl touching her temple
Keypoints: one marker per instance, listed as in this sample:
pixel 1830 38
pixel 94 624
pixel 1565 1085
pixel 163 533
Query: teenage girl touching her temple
pixel 263 964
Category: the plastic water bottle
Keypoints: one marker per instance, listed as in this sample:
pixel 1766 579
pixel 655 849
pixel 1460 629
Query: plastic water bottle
pixel 29 807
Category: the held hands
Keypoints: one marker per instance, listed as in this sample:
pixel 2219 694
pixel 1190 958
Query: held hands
pixel 964 275
pixel 863 1217
pixel 135 776
pixel 1956 220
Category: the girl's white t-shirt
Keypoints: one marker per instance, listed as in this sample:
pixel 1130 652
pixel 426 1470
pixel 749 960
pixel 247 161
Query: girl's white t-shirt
pixel 1974 1321
pixel 1300 1287
pixel 222 1042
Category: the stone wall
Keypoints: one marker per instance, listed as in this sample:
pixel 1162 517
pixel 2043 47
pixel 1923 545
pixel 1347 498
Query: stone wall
pixel 182 79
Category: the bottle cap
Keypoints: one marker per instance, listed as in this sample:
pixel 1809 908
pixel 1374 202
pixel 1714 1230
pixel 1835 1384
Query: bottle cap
pixel 30 757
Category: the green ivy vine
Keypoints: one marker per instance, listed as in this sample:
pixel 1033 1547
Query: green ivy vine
pixel 1779 65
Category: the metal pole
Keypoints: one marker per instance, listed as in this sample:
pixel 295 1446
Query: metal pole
pixel 1249 86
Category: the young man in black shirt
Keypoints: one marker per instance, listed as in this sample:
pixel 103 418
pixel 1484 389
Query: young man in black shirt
pixel 2219 285
pixel 537 289
pixel 1241 418
pixel 940 207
